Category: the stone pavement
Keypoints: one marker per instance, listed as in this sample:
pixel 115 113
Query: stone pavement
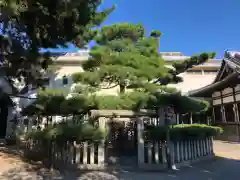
pixel 225 167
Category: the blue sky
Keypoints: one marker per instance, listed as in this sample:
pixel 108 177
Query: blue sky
pixel 188 26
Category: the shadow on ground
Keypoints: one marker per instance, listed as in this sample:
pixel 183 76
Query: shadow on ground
pixel 221 168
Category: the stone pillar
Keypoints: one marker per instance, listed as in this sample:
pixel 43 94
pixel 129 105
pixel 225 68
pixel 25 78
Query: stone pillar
pixel 140 129
pixel 191 120
pixel 177 118
pixel 101 148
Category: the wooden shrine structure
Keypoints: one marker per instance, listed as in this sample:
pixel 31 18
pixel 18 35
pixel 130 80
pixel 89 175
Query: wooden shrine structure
pixel 224 95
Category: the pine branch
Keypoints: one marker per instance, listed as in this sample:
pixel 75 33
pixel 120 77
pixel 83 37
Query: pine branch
pixel 182 66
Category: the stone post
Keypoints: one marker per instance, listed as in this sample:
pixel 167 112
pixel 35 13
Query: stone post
pixel 140 129
pixel 191 120
pixel 101 150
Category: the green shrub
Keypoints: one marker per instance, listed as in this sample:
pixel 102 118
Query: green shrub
pixel 182 132
pixel 66 132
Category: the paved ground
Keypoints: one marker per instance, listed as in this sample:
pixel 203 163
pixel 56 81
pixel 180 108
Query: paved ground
pixel 225 168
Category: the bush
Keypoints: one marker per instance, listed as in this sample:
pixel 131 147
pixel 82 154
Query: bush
pixel 182 132
pixel 65 132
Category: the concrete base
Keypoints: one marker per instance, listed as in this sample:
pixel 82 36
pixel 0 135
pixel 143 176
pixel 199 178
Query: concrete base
pixel 152 167
pixel 190 162
pixel 161 167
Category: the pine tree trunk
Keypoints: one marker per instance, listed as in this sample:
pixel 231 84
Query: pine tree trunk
pixel 122 88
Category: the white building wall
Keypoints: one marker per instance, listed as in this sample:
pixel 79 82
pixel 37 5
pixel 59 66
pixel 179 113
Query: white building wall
pixel 56 79
pixel 193 81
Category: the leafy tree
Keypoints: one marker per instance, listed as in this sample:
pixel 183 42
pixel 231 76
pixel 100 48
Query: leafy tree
pixel 126 57
pixel 28 25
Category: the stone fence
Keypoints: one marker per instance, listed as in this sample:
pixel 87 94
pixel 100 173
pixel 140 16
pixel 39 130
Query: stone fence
pixel 92 155
pixel 151 155
pixel 182 153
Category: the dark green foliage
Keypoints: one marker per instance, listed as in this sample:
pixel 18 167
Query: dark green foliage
pixel 67 132
pixel 182 132
pixel 123 31
pixel 60 135
pixel 124 56
pixel 31 25
pixel 182 104
pixel 194 60
pixel 182 66
pixel 52 103
pixel 156 33
pixel 128 101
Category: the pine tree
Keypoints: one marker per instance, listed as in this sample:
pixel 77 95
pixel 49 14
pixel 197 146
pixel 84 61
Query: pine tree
pixel 28 25
pixel 126 57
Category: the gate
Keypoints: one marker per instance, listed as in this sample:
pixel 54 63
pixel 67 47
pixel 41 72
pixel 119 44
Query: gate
pixel 121 142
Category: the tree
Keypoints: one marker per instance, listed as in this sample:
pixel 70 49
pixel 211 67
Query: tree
pixel 182 66
pixel 124 56
pixel 53 102
pixel 28 25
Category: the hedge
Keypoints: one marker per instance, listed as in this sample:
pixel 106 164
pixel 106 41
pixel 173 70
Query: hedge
pixel 65 132
pixel 182 132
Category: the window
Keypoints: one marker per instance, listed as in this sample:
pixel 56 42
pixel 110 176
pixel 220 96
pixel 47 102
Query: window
pixel 65 80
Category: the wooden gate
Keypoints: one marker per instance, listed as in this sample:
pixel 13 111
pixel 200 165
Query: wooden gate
pixel 121 142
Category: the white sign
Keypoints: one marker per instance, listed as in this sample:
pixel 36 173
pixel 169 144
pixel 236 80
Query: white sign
pixel 169 114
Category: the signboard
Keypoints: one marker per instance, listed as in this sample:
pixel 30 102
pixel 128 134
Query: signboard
pixel 169 115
